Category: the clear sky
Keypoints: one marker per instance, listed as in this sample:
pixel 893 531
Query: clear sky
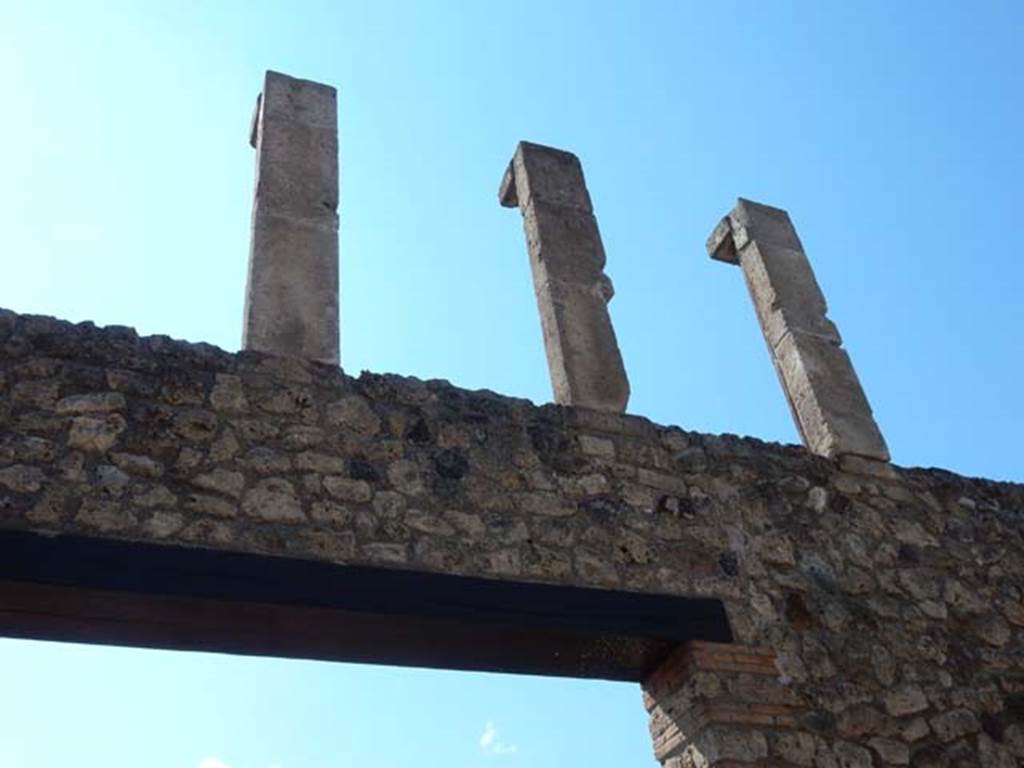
pixel 890 131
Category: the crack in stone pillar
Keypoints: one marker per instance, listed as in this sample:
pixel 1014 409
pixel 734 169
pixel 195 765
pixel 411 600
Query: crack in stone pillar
pixel 291 298
pixel 828 403
pixel 567 261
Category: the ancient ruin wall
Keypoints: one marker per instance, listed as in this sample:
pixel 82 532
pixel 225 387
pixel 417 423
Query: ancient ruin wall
pixel 878 611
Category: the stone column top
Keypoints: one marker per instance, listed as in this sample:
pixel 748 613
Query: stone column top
pixel 567 261
pixel 825 396
pixel 544 174
pixel 291 305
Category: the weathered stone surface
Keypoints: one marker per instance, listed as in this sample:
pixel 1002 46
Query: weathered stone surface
pixel 95 435
pixel 905 700
pixel 347 489
pixel 20 478
pixel 227 394
pixel 887 601
pixel 291 304
pixel 222 481
pixel 275 500
pixel 92 403
pixel 951 725
pixel 212 506
pixel 163 524
pixel 105 517
pixel 354 413
pixel 567 261
pixel 828 403
pixel 135 464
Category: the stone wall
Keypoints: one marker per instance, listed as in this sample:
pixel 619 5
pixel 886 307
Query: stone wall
pixel 878 611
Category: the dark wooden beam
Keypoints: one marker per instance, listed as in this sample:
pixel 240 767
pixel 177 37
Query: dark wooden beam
pixel 122 593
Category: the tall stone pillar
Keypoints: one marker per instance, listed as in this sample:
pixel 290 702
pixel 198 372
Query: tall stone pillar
pixel 291 299
pixel 828 404
pixel 567 261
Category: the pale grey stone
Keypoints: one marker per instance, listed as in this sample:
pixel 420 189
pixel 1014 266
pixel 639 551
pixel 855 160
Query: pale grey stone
pixel 224 447
pixel 354 413
pixel 320 462
pixel 891 751
pixel 111 479
pixel 163 524
pixel 227 394
pixel 817 498
pixel 795 748
pixel 274 499
pixel 207 532
pixel 915 730
pixel 291 302
pixel 21 478
pixel 299 437
pixel 222 481
pixel 953 724
pixel 995 631
pixel 775 548
pixel 384 552
pixel 544 504
pixel 266 461
pixel 330 513
pixel 596 570
pixel 428 522
pixel 467 523
pixel 103 402
pixel 153 496
pixel 567 260
pixel 196 424
pixel 30 448
pixel 389 503
pixel 597 446
pixel 49 510
pixel 214 506
pixel 746 746
pixel 135 464
pixel 994 755
pixel 95 434
pixel 505 562
pixel 105 517
pixel 406 477
pixel 851 756
pixel 41 394
pixel 348 490
pixel 828 403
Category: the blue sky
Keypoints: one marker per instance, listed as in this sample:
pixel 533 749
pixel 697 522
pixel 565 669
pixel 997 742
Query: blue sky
pixel 890 131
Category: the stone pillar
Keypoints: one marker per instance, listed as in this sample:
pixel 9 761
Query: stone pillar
pixel 567 261
pixel 291 298
pixel 719 705
pixel 828 404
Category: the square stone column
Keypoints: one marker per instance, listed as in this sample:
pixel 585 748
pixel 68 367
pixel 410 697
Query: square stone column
pixel 567 261
pixel 723 705
pixel 828 404
pixel 291 298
